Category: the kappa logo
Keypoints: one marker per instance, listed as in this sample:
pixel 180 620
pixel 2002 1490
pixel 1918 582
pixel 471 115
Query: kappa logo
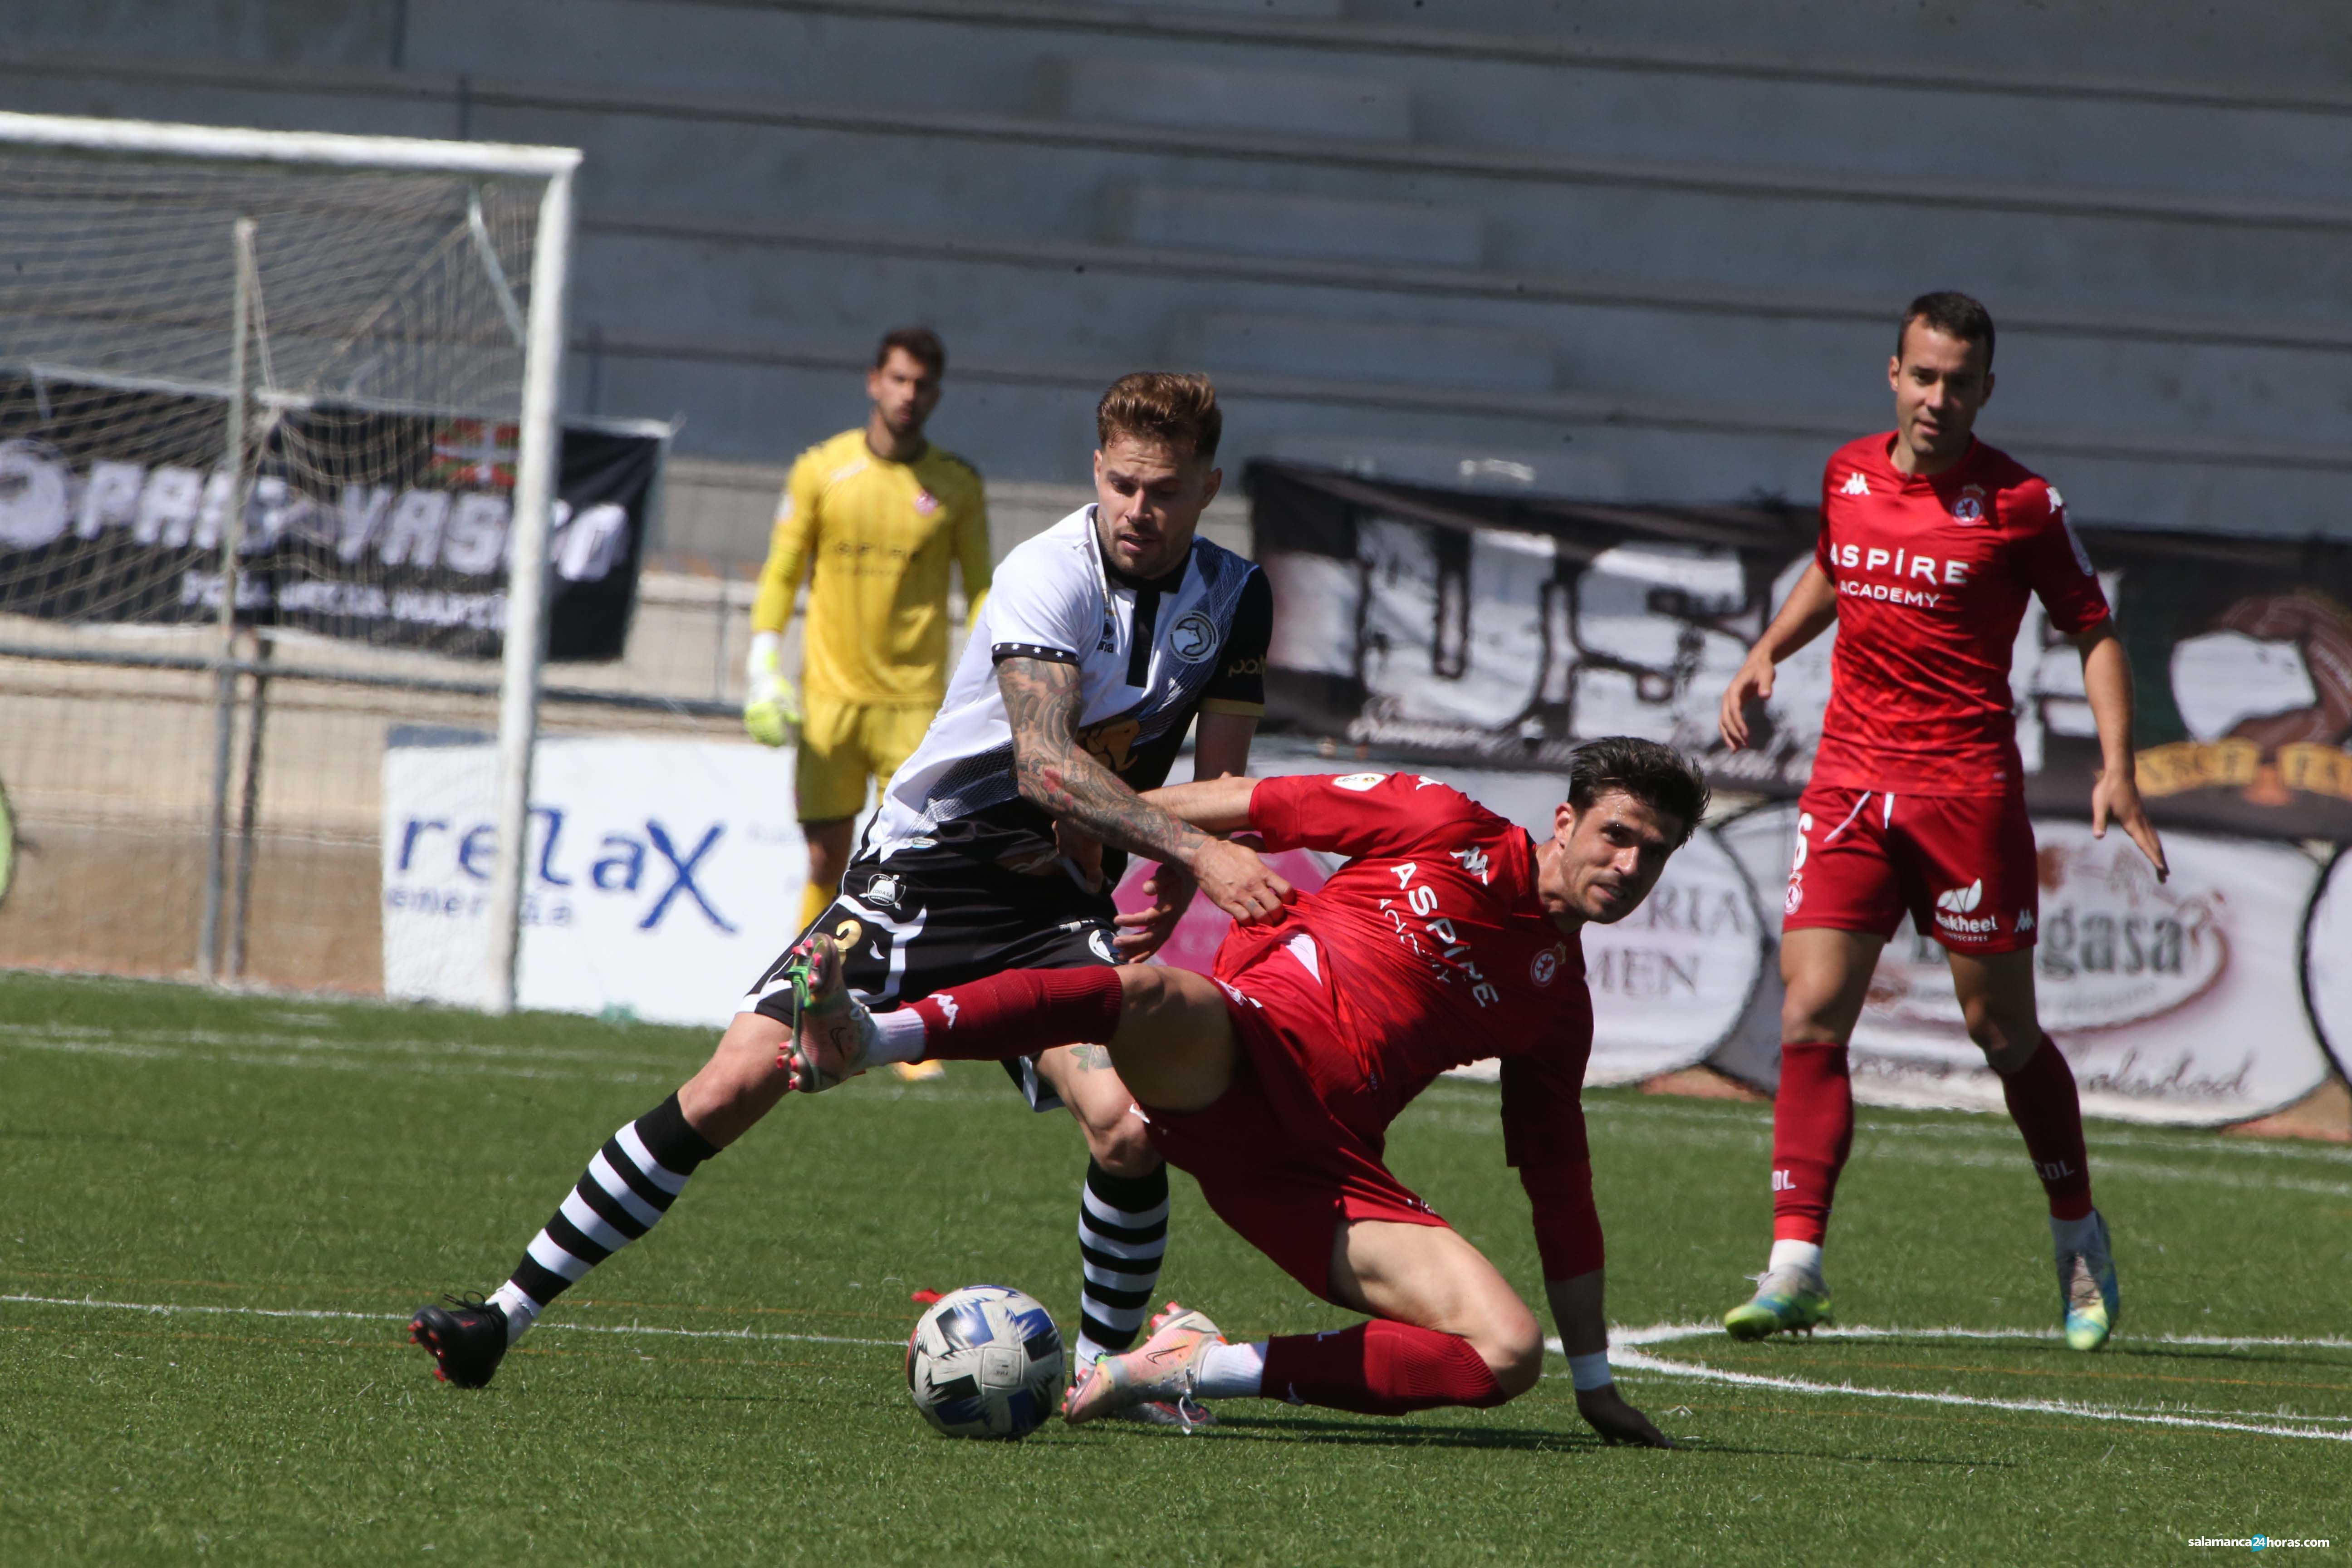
pixel 1970 507
pixel 1855 485
pixel 1361 782
pixel 1192 638
pixel 1475 863
pixel 948 1008
pixel 1547 964
pixel 2024 921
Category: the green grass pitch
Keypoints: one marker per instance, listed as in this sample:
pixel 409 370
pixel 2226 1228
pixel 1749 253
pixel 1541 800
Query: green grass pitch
pixel 219 1212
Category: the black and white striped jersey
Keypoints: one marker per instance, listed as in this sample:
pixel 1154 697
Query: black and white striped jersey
pixel 1150 656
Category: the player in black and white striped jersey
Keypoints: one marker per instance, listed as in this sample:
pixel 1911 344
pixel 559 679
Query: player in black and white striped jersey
pixel 1104 641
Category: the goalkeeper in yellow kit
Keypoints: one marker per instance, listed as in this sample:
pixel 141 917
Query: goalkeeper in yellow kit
pixel 873 516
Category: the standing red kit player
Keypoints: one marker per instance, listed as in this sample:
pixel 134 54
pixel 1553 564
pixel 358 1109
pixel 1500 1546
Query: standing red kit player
pixel 1930 542
pixel 1449 936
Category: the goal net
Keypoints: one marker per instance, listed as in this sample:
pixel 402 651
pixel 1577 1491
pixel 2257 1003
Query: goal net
pixel 270 405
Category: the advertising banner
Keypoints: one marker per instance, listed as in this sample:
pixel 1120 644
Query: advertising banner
pixel 2176 1001
pixel 665 874
pixel 2327 960
pixel 386 528
pixel 1494 632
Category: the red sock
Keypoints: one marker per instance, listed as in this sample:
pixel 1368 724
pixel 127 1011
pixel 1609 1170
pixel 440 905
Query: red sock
pixel 1812 1133
pixel 2043 1104
pixel 1020 1012
pixel 1380 1368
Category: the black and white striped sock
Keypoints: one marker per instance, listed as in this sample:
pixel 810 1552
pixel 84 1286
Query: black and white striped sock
pixel 1122 1236
pixel 625 1190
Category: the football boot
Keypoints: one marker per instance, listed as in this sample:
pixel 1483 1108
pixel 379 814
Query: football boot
pixel 1163 1370
pixel 2086 1286
pixel 467 1338
pixel 1787 1300
pixel 833 1034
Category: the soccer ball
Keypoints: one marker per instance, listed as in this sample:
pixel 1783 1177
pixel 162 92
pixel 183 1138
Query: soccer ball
pixel 985 1362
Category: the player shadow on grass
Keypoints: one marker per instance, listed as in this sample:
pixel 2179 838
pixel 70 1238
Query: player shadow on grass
pixel 1405 1434
pixel 1393 1432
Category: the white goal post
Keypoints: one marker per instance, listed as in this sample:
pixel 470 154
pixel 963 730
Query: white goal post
pixel 79 195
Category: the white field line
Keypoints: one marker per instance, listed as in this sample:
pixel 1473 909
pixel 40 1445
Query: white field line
pixel 168 1308
pixel 1626 1350
pixel 1758 1119
pixel 402 1058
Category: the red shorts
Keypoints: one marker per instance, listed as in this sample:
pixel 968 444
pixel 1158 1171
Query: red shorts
pixel 1272 1159
pixel 1961 866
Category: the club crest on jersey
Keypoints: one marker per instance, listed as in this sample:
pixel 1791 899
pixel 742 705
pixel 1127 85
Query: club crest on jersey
pixel 1794 900
pixel 1855 485
pixel 1970 507
pixel 1360 782
pixel 1193 638
pixel 1546 966
pixel 926 502
pixel 882 892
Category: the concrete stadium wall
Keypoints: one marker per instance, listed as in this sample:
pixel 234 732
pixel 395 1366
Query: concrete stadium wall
pixel 1614 252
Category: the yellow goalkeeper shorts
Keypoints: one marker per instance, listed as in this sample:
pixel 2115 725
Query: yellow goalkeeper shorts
pixel 842 744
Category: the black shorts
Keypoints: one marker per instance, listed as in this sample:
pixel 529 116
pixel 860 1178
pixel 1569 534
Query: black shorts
pixel 929 921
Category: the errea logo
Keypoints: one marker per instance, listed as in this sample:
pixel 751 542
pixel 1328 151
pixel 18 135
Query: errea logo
pixel 1855 485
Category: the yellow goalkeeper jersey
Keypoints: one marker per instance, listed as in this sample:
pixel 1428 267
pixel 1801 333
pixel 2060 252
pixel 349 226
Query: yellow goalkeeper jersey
pixel 876 537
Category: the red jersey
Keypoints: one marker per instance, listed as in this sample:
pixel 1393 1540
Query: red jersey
pixel 1434 952
pixel 1931 574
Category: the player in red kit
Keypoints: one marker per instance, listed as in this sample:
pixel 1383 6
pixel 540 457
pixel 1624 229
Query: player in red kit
pixel 1930 542
pixel 1449 936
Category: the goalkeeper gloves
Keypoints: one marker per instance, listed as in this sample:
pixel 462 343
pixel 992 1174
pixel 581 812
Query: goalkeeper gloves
pixel 771 709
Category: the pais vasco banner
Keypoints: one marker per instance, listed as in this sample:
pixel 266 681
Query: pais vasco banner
pixel 390 529
pixel 1486 631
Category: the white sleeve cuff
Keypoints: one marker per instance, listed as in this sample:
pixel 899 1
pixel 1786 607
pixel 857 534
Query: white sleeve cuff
pixel 1590 1372
pixel 766 657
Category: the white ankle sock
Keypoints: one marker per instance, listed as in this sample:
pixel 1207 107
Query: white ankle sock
pixel 1233 1371
pixel 2075 1235
pixel 1805 1257
pixel 899 1035
pixel 521 1310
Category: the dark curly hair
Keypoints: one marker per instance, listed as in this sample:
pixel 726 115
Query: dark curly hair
pixel 1658 776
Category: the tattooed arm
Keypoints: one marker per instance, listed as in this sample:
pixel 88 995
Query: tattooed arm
pixel 1057 775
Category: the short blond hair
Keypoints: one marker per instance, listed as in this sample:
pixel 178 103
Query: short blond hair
pixel 1175 407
